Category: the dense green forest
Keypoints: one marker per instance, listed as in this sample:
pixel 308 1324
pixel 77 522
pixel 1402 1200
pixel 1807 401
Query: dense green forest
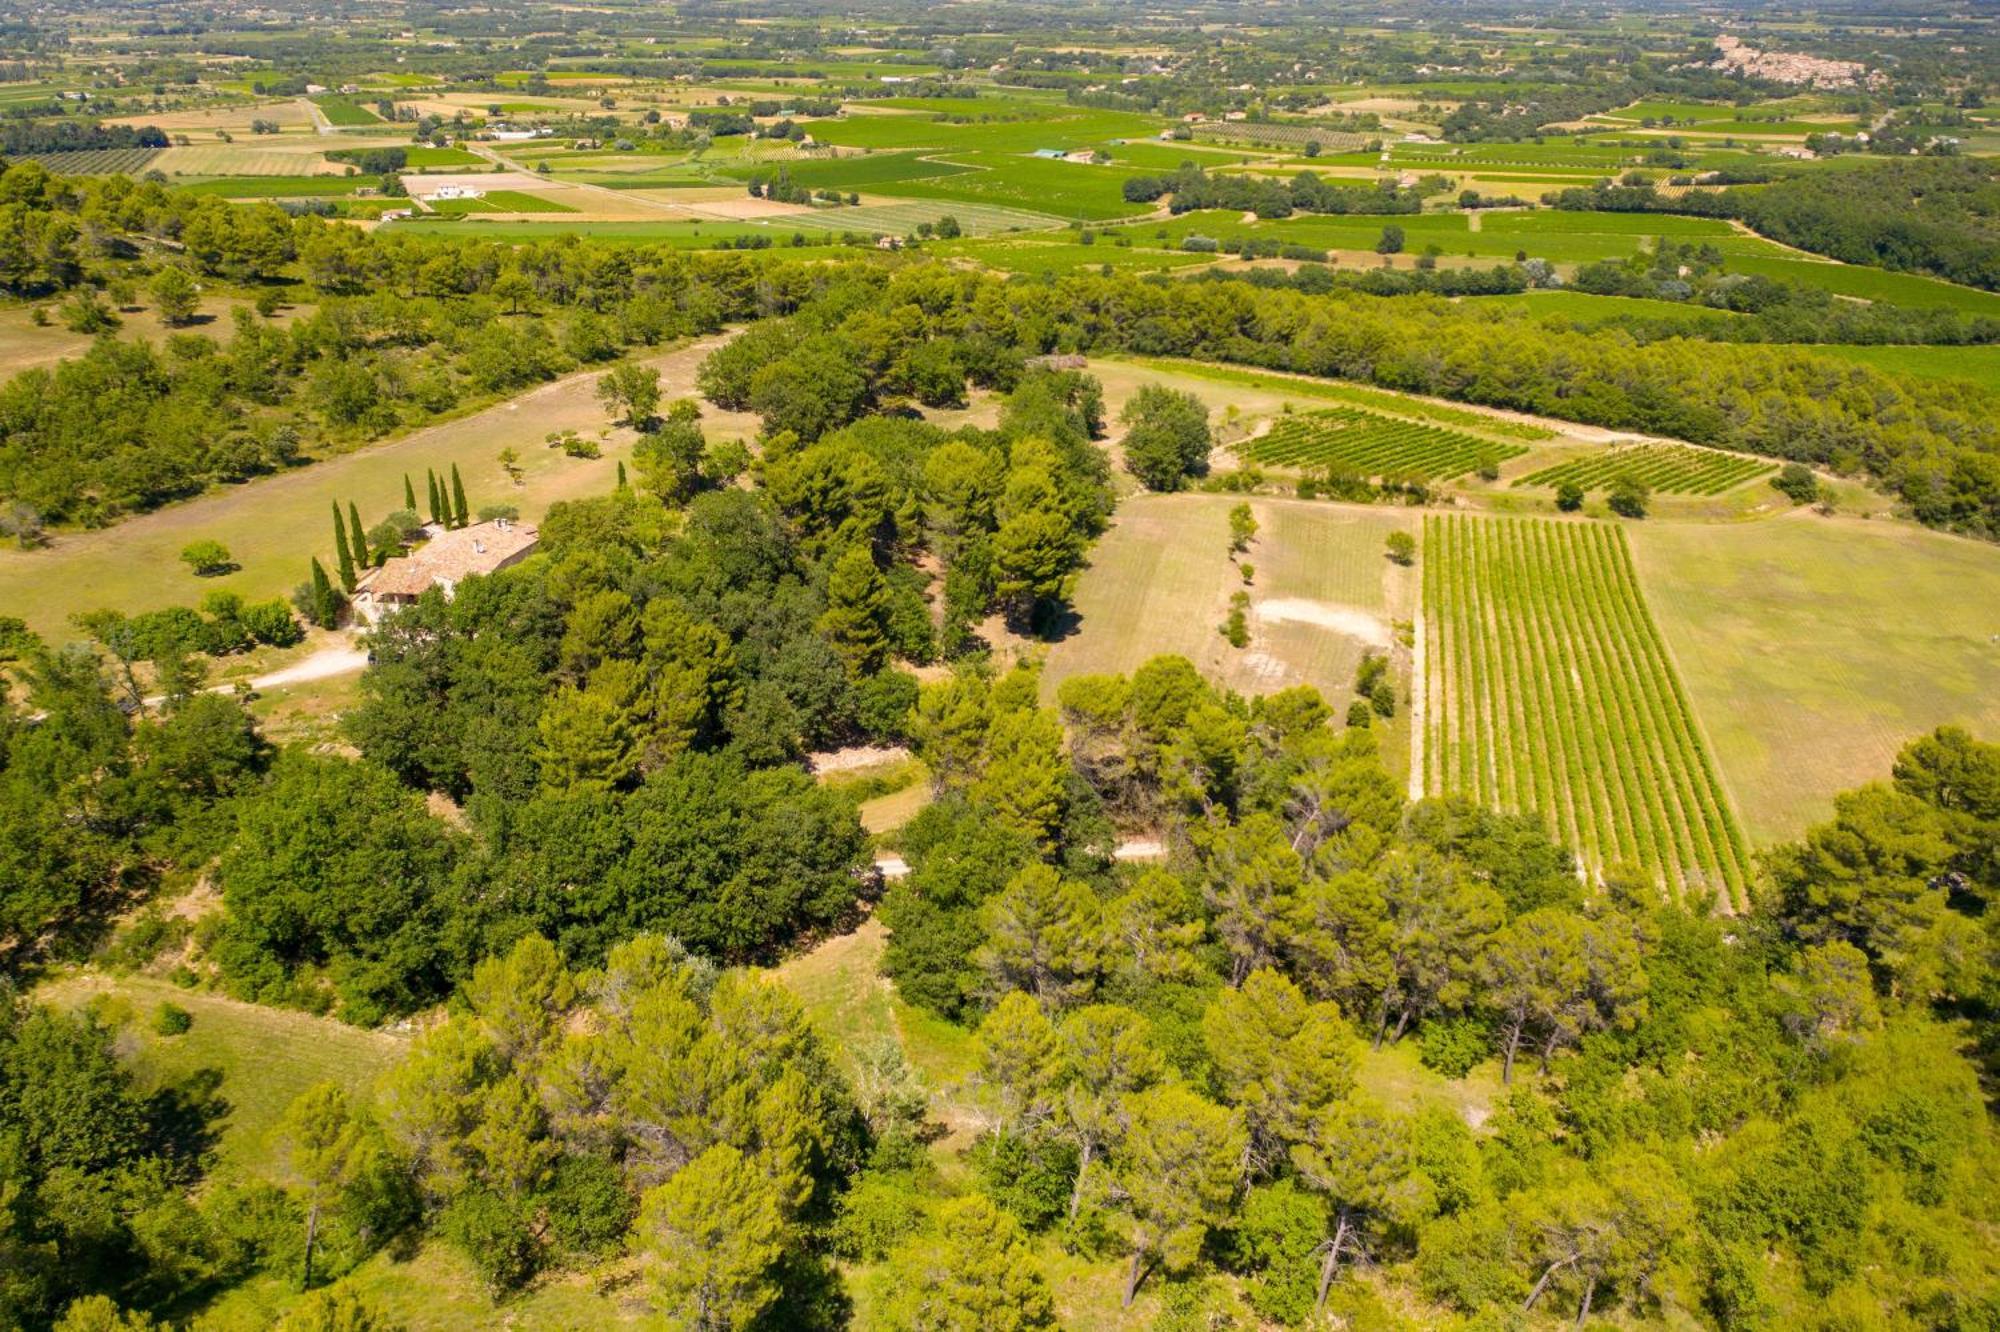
pixel 1752 1121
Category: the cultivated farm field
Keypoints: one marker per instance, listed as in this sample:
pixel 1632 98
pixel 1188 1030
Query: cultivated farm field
pixel 1373 445
pixel 899 219
pixel 1548 689
pixel 97 161
pixel 1382 400
pixel 1671 469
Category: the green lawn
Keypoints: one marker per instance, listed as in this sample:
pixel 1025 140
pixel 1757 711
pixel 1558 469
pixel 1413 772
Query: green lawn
pixel 1812 648
pixel 344 112
pixel 421 156
pixel 1016 180
pixel 853 173
pixel 1873 284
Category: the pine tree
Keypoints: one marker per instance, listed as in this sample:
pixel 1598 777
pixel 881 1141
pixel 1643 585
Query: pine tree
pixel 710 1239
pixel 409 494
pixel 357 543
pixel 857 611
pixel 1044 935
pixel 460 514
pixel 342 553
pixel 977 1271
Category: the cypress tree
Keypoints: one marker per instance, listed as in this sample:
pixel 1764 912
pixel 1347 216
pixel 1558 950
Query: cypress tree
pixel 409 494
pixel 342 553
pixel 621 474
pixel 437 504
pixel 461 513
pixel 356 542
pixel 325 605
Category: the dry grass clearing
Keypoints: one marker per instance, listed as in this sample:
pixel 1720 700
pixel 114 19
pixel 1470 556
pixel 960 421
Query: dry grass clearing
pixel 289 114
pixel 1813 649
pixel 1160 581
pixel 25 346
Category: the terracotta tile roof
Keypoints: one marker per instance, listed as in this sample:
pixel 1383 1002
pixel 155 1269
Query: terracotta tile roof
pixel 451 557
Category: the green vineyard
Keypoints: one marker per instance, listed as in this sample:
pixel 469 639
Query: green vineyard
pixel 1547 688
pixel 1671 469
pixel 96 161
pixel 1373 445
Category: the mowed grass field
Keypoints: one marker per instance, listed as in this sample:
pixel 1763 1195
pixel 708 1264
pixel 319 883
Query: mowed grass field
pixel 1813 649
pixel 1161 578
pixel 1975 365
pixel 273 525
pixel 502 201
pixel 1017 180
pixel 1548 690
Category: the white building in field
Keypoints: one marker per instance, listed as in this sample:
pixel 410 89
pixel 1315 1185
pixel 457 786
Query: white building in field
pixel 457 192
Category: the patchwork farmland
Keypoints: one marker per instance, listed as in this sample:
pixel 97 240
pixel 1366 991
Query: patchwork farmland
pixel 1547 688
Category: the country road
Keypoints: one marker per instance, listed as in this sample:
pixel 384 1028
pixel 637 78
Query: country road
pixel 335 659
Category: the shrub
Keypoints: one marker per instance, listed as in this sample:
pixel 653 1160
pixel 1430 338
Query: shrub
pixel 1797 483
pixel 272 623
pixel 1453 1046
pixel 1237 627
pixel 495 1234
pixel 207 558
pixel 1628 497
pixel 1402 548
pixel 1569 497
pixel 170 1019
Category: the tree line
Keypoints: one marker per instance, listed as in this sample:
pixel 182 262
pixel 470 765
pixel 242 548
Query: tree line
pixel 1726 1121
pixel 1932 443
pixel 1192 188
